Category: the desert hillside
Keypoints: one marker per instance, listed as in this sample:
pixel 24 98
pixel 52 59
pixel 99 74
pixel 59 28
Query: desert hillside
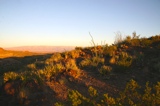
pixel 126 73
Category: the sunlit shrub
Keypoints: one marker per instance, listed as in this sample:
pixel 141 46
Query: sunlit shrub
pixel 92 62
pixel 31 76
pixel 51 70
pixel 104 70
pixel 108 101
pixel 31 66
pixel 130 96
pixel 92 92
pixel 96 61
pixel 58 104
pixel 74 53
pixel 124 61
pixel 133 95
pixel 77 98
pixel 112 60
pixel 109 50
pixel 54 58
pixel 65 55
pixel 71 64
pixel 10 76
pixel 85 63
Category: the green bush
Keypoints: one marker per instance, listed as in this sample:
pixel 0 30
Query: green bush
pixel 85 63
pixel 109 50
pixel 146 42
pixel 54 58
pixel 10 76
pixel 51 71
pixel 135 42
pixel 92 92
pixel 131 96
pixel 104 70
pixel 93 62
pixel 71 65
pixel 74 53
pixel 77 99
pixel 124 61
pixel 96 61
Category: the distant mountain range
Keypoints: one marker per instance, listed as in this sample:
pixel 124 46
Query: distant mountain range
pixel 42 49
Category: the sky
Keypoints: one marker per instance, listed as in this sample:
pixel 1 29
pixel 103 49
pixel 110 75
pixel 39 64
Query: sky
pixel 69 22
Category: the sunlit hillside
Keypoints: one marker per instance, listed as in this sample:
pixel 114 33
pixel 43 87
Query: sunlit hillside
pixel 10 53
pixel 126 73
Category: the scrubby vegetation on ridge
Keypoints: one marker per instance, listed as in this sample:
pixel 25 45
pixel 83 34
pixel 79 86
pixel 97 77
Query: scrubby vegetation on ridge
pixel 126 73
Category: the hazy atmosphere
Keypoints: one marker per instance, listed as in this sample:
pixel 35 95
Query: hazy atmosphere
pixel 68 22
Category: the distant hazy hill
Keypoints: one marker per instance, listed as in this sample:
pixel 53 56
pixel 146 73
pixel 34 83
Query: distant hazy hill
pixel 42 49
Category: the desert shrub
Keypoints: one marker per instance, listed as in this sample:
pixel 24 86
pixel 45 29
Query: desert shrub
pixel 71 65
pixel 109 50
pixel 124 60
pixel 145 42
pixel 72 68
pixel 130 96
pixel 94 50
pixel 96 61
pixel 51 70
pixel 112 60
pixel 92 92
pixel 104 70
pixel 74 53
pixel 135 42
pixel 10 76
pixel 92 62
pixel 108 101
pixel 155 38
pixel 118 38
pixel 133 95
pixel 77 99
pixel 54 58
pixel 66 55
pixel 128 38
pixel 85 63
pixel 31 76
pixel 156 98
pixel 24 77
pixel 58 104
pixel 31 66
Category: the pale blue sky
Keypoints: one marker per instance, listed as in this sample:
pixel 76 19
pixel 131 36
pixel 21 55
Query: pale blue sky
pixel 68 22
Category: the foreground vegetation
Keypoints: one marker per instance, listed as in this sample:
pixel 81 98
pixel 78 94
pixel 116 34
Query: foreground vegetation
pixel 126 73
